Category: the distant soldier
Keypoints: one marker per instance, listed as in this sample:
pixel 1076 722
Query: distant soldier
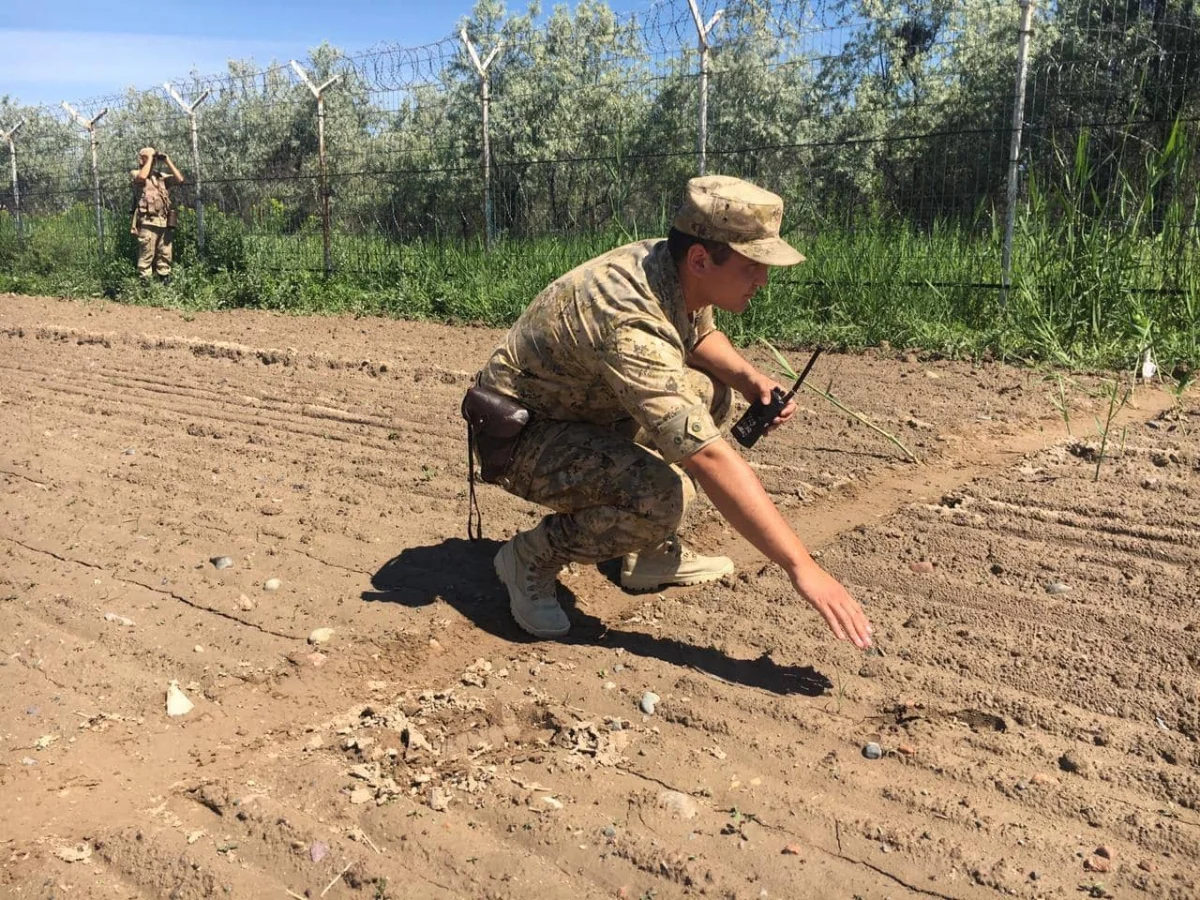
pixel 153 215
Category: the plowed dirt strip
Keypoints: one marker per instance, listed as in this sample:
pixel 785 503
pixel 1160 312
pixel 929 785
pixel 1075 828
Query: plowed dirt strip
pixel 430 750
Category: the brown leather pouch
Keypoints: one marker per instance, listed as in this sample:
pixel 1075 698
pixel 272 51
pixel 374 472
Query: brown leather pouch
pixel 494 425
pixel 172 218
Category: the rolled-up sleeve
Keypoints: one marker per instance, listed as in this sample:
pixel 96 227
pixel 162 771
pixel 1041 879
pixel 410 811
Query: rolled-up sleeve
pixel 644 366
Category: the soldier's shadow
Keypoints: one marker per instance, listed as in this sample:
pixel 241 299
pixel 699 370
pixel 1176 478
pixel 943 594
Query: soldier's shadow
pixel 460 573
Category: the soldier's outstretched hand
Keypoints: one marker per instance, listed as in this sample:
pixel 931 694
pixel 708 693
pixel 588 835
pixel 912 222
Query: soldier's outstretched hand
pixel 842 612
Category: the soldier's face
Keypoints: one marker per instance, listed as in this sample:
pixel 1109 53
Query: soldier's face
pixel 732 284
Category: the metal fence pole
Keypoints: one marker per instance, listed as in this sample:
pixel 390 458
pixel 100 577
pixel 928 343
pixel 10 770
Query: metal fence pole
pixel 12 155
pixel 486 160
pixel 319 93
pixel 702 124
pixel 1014 150
pixel 190 109
pixel 90 127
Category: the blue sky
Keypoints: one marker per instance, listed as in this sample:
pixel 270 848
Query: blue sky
pixel 77 49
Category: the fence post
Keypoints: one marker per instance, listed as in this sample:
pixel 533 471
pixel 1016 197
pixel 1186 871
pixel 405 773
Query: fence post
pixel 702 126
pixel 12 155
pixel 1014 150
pixel 319 93
pixel 190 110
pixel 481 68
pixel 90 128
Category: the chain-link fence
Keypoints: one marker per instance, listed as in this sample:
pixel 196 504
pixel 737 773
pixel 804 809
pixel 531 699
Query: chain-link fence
pixel 864 114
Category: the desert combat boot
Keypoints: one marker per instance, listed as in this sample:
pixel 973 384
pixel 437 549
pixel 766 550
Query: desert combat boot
pixel 529 569
pixel 671 563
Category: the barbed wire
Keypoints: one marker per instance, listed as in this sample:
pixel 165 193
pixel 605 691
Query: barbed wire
pixel 908 112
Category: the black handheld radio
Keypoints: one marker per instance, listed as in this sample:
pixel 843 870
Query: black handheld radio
pixel 753 423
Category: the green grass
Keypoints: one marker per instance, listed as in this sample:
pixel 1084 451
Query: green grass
pixel 1097 278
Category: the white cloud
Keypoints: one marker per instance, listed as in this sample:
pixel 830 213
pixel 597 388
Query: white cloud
pixel 118 60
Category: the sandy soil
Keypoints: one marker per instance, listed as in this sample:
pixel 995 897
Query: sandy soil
pixel 1034 694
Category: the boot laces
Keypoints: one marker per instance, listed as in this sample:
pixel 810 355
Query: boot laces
pixel 541 583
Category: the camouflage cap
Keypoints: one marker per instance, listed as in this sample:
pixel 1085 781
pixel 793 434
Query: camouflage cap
pixel 735 212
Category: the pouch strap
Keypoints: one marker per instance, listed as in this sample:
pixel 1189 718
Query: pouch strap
pixel 474 516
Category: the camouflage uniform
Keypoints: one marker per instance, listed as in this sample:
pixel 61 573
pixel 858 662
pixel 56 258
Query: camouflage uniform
pixel 600 360
pixel 155 238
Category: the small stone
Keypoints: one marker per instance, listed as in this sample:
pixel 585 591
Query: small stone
pixel 272 584
pixel 792 850
pixel 678 804
pixel 320 636
pixel 439 800
pixel 78 853
pixel 610 685
pixel 316 660
pixel 1070 762
pixel 199 648
pixel 1035 875
pixel 1147 866
pixel 552 802
pixel 924 567
pixel 28 761
pixel 1096 864
pixel 435 645
pixel 221 562
pixel 318 851
pixel 1105 851
pixel 1150 484
pixel 177 702
pixel 1057 587
pixel 609 832
pixel 872 751
pixel 361 795
pixel 245 603
pixel 118 620
pixel 649 702
pixel 906 749
pixel 1041 778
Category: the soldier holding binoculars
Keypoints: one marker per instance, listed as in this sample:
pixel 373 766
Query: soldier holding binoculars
pixel 153 215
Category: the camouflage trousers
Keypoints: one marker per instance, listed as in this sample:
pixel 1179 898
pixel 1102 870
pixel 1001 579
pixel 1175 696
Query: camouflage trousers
pixel 154 250
pixel 611 493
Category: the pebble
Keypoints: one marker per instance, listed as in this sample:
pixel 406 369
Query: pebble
pixel 119 620
pixel 1069 762
pixel 872 751
pixel 1105 851
pixel 1150 484
pixel 649 701
pixel 1096 864
pixel 1040 778
pixel 320 636
pixel 318 851
pixel 221 562
pixel 1147 866
pixel 28 761
pixel 609 685
pixel 199 648
pixel 245 603
pixel 1057 587
pixel 177 702
pixel 678 804
pixel 272 584
pixel 907 749
pixel 792 850
pixel 609 832
pixel 438 799
pixel 552 802
pixel 924 567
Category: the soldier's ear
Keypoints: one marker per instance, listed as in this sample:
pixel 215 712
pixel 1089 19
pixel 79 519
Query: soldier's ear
pixel 697 259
